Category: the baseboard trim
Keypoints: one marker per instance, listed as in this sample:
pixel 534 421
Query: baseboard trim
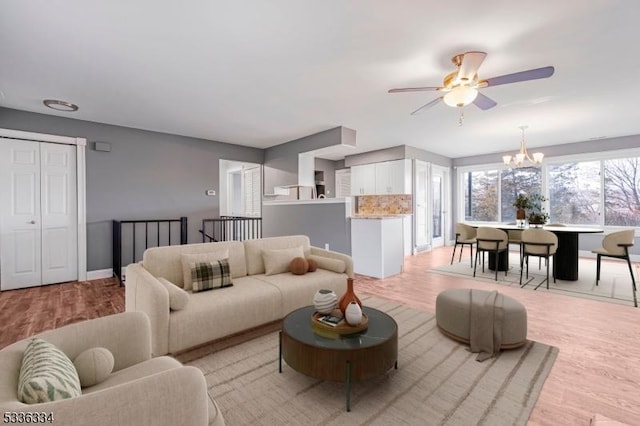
pixel 99 274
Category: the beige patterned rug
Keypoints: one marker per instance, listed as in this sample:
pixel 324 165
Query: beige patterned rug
pixel 614 286
pixel 438 382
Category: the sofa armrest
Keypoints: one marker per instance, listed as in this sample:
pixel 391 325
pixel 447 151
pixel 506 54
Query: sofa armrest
pixel 144 293
pixel 335 255
pixel 173 397
pixel 127 335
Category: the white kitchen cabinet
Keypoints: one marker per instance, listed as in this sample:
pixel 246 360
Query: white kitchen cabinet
pixel 377 246
pixel 363 179
pixel 389 177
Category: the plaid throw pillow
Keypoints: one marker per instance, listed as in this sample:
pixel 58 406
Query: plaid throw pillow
pixel 211 275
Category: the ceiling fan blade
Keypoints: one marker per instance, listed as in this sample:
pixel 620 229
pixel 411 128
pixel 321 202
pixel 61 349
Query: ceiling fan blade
pixel 471 61
pixel 484 102
pixel 414 89
pixel 533 74
pixel 427 106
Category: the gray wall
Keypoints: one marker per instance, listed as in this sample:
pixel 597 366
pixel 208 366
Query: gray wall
pixel 324 223
pixel 146 175
pixel 329 168
pixel 281 161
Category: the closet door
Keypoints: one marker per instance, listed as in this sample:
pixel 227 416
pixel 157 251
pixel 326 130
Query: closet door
pixel 59 213
pixel 20 241
pixel 38 214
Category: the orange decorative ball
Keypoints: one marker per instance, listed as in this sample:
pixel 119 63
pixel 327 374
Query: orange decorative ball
pixel 298 266
pixel 313 265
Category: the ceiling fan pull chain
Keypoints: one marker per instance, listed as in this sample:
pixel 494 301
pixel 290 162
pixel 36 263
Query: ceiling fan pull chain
pixel 461 119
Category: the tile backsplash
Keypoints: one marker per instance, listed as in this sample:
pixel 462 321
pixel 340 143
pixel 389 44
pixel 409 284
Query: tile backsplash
pixel 384 204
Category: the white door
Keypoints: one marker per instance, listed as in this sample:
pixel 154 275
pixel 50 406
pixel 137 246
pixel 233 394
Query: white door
pixel 439 205
pixel 38 214
pixel 422 197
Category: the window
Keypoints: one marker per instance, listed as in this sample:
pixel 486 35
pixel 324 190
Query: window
pixel 622 192
pixel 601 189
pixel 574 192
pixel 251 192
pixel 513 182
pixel 481 195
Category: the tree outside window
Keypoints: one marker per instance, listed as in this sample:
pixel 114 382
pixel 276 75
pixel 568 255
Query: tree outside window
pixel 481 195
pixel 622 192
pixel 574 193
pixel 515 181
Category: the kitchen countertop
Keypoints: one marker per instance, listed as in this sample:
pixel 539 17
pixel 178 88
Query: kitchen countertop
pixel 379 216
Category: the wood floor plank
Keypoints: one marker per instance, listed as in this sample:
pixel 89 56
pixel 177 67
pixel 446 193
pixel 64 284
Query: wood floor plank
pixel 597 369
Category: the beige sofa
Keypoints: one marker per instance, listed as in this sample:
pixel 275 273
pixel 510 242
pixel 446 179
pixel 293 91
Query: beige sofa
pixel 253 300
pixel 140 391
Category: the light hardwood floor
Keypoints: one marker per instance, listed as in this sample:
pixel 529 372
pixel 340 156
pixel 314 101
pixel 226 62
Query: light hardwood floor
pixel 597 370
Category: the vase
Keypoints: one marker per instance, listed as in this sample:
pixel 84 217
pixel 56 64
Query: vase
pixel 348 297
pixel 325 301
pixel 353 314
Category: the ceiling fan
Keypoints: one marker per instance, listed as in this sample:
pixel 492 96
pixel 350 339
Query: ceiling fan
pixel 461 86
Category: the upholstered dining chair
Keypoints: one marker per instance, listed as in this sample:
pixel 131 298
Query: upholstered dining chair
pixel 515 237
pixel 490 240
pixel 617 245
pixel 557 225
pixel 465 235
pixel 539 243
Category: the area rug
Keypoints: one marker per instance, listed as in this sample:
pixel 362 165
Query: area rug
pixel 614 286
pixel 438 382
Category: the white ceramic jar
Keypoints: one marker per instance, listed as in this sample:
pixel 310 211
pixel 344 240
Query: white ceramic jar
pixel 325 301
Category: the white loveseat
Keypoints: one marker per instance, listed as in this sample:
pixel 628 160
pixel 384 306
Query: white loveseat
pixel 254 299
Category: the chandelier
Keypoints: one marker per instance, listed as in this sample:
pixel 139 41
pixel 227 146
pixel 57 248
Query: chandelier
pixel 519 159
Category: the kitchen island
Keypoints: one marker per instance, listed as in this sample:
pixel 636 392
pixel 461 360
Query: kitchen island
pixel 377 245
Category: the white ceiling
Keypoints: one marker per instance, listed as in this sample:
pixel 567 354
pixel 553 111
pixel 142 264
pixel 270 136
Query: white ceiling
pixel 260 73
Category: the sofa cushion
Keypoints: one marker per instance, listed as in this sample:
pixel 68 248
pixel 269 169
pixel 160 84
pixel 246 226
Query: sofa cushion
pixel 46 374
pixel 210 275
pixel 189 260
pixel 178 298
pixel 215 314
pixel 166 262
pixel 334 265
pixel 94 365
pixel 277 261
pixel 253 250
pixel 298 291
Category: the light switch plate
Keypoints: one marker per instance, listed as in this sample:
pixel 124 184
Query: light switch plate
pixel 210 192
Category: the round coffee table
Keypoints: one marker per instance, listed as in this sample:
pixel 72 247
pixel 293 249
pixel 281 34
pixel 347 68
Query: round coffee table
pixel 354 357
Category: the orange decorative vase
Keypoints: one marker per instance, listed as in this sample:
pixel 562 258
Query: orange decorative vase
pixel 348 297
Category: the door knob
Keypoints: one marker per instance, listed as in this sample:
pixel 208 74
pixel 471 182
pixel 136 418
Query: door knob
pixel 33 222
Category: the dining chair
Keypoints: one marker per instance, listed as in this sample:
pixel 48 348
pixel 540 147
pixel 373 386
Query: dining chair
pixel 515 237
pixel 490 240
pixel 539 243
pixel 465 235
pixel 558 225
pixel 617 245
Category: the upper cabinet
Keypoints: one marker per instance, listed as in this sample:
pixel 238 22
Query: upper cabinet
pixel 363 179
pixel 389 177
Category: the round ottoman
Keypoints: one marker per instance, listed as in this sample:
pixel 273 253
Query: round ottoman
pixel 453 311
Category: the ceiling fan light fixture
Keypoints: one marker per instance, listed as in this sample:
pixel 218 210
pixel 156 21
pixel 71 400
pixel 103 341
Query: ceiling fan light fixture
pixel 460 96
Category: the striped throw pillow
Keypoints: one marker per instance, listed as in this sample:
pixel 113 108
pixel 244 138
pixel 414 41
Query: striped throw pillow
pixel 46 374
pixel 211 275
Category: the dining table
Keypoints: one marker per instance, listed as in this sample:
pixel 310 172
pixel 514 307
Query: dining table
pixel 565 265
